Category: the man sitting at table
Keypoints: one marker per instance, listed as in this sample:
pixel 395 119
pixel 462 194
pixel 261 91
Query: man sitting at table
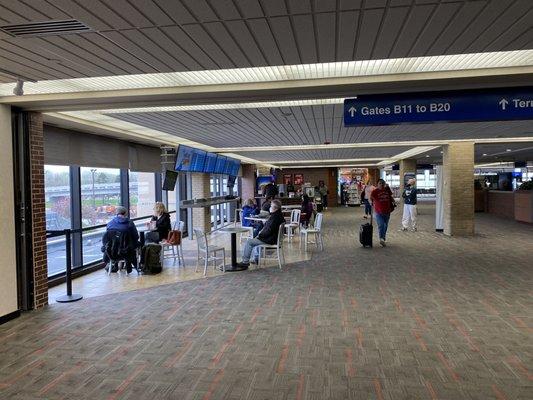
pixel 267 235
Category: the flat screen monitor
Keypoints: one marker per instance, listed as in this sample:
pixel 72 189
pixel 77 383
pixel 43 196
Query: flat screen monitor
pixel 221 164
pixel 198 160
pixel 236 164
pixel 169 183
pixel 184 158
pixel 210 163
pixel 228 167
pixel 231 181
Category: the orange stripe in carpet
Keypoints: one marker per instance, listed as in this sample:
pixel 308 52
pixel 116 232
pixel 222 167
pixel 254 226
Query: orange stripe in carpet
pixel 256 313
pixel 522 324
pixel 359 337
pixel 118 391
pixel 273 300
pixel 377 387
pixel 518 364
pixel 170 363
pixel 214 384
pixel 398 305
pixel 499 394
pixel 225 346
pixel 431 391
pixel 420 341
pixel 301 334
pixel 448 367
pixel 354 303
pixel 349 363
pixel 300 390
pixel 419 320
pixel 282 359
pixel 59 379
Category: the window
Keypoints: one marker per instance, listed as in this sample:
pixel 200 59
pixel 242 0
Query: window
pixel 100 195
pixel 57 204
pixel 142 193
pixel 172 199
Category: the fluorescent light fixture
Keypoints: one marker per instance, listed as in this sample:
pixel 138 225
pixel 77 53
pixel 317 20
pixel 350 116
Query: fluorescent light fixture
pixel 408 154
pixel 228 106
pixel 344 69
pixel 335 160
pixel 332 166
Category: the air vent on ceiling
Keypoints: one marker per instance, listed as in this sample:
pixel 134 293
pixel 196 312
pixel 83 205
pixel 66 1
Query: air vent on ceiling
pixel 45 28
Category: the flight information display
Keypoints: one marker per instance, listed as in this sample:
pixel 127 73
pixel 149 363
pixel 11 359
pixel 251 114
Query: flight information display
pixel 221 164
pixel 210 163
pixel 189 159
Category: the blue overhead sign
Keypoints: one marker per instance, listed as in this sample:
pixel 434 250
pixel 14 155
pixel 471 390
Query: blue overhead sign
pixel 449 106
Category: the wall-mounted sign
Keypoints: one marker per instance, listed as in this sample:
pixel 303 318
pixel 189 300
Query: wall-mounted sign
pixel 448 106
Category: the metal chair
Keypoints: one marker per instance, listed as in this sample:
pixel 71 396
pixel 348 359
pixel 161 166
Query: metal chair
pixel 315 230
pixel 294 223
pixel 246 235
pixel 205 251
pixel 263 248
pixel 177 250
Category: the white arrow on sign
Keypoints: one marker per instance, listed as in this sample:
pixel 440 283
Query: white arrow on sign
pixel 503 103
pixel 352 111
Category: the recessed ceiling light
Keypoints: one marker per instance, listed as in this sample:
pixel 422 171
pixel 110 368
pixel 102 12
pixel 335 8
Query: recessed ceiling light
pixel 508 150
pixel 427 155
pixel 484 154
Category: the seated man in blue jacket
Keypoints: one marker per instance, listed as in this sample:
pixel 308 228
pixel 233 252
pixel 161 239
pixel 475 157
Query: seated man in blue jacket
pixel 267 235
pixel 122 224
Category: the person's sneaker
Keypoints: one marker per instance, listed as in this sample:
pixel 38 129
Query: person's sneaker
pixel 254 261
pixel 403 229
pixel 414 229
pixel 243 265
pixel 382 242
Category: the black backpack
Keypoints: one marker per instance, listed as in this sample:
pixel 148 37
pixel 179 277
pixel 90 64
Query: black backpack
pixel 151 258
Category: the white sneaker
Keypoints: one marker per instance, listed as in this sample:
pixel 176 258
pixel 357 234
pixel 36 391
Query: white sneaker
pixel 414 229
pixel 382 242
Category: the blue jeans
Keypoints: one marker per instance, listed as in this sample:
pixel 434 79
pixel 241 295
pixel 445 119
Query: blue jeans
pixel 368 207
pixel 251 247
pixel 383 224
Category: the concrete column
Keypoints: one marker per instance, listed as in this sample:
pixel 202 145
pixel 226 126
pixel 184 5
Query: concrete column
pixel 373 175
pixel 406 166
pixel 458 191
pixel 8 261
pixel 248 181
pixel 201 217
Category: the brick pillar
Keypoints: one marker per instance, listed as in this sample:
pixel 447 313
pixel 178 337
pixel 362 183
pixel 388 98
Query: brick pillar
pixel 406 166
pixel 40 265
pixel 373 175
pixel 201 216
pixel 248 181
pixel 458 192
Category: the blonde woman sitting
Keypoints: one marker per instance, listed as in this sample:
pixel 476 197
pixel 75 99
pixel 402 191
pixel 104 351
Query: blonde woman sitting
pixel 162 220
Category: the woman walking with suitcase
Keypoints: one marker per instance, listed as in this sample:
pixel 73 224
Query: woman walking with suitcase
pixel 383 204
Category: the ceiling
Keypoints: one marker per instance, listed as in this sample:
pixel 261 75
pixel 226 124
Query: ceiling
pixel 215 52
pixel 150 36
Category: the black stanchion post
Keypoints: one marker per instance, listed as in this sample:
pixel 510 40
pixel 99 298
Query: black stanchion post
pixel 69 297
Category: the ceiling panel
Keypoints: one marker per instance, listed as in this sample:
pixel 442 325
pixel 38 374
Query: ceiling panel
pixel 326 154
pixel 306 125
pixel 176 35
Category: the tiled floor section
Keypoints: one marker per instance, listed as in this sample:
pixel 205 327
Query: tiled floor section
pixel 428 317
pixel 100 283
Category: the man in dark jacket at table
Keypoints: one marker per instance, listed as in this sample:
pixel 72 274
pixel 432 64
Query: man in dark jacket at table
pixel 121 223
pixel 267 235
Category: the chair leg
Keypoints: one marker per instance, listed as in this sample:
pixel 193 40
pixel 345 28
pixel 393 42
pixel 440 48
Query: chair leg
pixel 306 237
pixel 206 261
pixel 223 260
pixel 181 259
pixel 197 262
pixel 279 257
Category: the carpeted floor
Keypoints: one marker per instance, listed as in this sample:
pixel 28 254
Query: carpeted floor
pixel 427 317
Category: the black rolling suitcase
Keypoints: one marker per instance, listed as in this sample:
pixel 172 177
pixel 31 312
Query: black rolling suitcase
pixel 366 232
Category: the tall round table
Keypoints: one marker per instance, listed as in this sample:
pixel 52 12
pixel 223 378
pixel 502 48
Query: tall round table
pixel 233 231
